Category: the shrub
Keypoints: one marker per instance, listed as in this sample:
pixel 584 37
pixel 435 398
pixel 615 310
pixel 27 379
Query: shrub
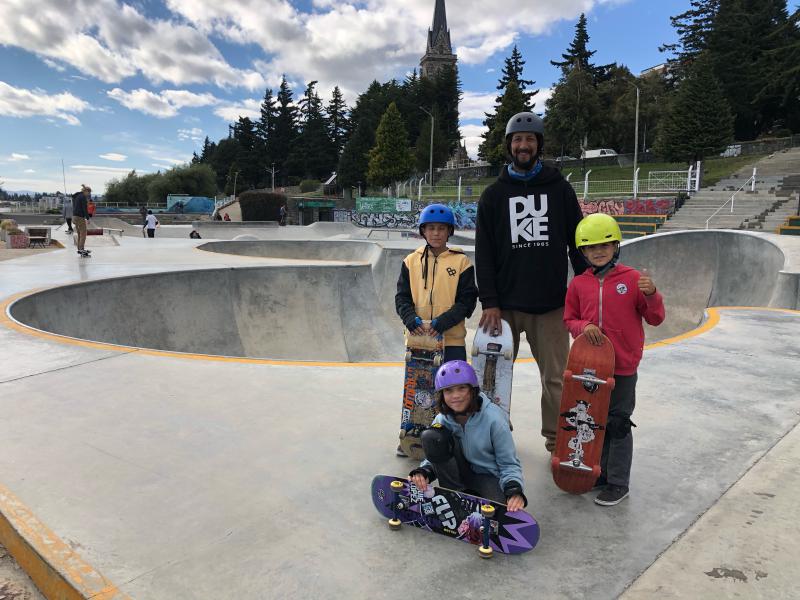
pixel 8 224
pixel 261 206
pixel 309 185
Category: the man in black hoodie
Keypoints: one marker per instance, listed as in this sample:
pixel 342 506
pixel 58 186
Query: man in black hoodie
pixel 525 227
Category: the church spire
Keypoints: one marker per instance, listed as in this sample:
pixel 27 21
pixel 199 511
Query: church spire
pixel 439 50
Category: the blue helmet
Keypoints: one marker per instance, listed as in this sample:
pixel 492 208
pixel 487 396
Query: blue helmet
pixel 437 213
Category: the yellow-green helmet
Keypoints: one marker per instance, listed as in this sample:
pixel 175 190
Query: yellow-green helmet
pixel 597 229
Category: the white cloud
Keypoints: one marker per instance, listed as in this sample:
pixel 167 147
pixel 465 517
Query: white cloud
pixel 16 156
pixel 101 169
pixel 29 171
pixel 472 138
pixel 164 104
pixel 21 102
pixel 113 156
pixel 194 134
pixel 111 41
pixel 249 108
pixel 475 105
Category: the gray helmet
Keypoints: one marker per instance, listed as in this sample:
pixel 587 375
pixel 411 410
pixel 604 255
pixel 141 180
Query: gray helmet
pixel 525 122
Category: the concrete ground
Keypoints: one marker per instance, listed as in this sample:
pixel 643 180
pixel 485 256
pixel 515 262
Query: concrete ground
pixel 142 473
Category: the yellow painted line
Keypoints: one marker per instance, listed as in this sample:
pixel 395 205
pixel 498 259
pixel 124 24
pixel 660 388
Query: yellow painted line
pixel 54 567
pixel 7 321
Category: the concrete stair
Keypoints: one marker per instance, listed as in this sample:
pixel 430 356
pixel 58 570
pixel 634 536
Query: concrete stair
pixel 748 206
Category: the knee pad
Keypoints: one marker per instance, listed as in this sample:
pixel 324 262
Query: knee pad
pixel 437 441
pixel 619 427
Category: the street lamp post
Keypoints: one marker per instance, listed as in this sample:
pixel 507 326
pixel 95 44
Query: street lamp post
pixel 431 145
pixel 235 177
pixel 636 130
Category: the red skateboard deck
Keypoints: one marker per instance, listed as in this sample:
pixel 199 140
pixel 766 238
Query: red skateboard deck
pixel 588 381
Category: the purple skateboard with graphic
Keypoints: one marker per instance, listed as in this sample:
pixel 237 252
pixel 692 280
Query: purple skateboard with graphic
pixel 458 515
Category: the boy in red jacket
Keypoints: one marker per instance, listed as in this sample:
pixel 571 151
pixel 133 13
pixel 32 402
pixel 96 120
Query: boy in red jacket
pixel 613 299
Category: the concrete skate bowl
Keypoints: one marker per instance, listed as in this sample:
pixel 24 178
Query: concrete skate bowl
pixel 295 312
pixel 698 269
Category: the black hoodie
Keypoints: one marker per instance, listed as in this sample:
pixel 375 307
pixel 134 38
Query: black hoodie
pixel 522 234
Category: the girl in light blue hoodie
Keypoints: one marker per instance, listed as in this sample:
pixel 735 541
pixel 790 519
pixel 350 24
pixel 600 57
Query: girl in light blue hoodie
pixel 469 446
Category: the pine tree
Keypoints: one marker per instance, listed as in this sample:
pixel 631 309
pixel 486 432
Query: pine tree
pixel 573 114
pixel 354 161
pixel 312 155
pixel 441 145
pixel 250 157
pixel 208 150
pixel 265 126
pixel 578 56
pixel 390 160
pixel 512 71
pixel 493 147
pixel 699 122
pixel 338 124
pixel 285 131
pixel 446 99
pixel 693 27
pixel 780 66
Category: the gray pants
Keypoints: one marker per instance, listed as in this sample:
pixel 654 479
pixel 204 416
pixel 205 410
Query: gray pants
pixel 456 474
pixel 618 452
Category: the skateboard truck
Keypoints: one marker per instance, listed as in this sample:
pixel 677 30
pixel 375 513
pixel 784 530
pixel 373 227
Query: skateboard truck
pixel 397 505
pixel 487 512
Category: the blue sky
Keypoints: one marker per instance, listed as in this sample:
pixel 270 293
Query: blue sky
pixel 108 85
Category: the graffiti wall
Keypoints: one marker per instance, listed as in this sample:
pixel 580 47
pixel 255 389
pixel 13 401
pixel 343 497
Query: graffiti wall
pixel 465 214
pixel 633 206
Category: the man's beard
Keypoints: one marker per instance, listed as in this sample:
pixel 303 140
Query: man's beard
pixel 526 166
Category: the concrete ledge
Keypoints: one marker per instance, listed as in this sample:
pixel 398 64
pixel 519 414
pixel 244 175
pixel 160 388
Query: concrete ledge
pixel 52 565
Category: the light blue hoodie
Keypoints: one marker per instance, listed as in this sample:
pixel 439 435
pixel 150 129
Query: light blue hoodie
pixel 486 441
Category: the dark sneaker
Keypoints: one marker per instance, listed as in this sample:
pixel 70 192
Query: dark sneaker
pixel 399 452
pixel 601 482
pixel 613 494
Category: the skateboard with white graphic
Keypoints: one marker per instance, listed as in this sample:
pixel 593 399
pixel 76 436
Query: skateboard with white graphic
pixel 493 361
pixel 588 381
pixel 457 515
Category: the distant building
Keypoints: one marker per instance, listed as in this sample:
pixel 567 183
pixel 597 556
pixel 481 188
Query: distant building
pixel 656 70
pixel 439 52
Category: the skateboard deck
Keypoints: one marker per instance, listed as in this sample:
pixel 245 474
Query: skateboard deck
pixel 493 361
pixel 456 515
pixel 588 381
pixel 424 355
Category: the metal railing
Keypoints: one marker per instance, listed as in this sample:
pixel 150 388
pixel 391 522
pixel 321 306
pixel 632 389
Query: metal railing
pixel 751 181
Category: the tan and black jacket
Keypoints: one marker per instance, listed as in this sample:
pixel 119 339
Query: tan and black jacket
pixel 437 287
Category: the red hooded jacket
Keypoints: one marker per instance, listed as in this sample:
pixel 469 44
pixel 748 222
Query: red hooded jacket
pixel 615 304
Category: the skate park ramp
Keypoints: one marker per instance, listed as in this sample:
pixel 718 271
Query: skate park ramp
pixel 340 307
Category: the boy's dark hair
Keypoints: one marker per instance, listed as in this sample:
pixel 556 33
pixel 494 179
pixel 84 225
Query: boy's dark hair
pixel 441 405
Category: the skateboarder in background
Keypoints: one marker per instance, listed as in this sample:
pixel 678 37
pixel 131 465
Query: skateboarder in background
pixel 80 214
pixel 484 462
pixel 612 299
pixel 526 221
pixel 150 224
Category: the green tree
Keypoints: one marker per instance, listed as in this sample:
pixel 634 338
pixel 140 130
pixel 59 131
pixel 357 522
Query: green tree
pixel 285 131
pixel 699 121
pixel 131 190
pixel 354 161
pixel 250 158
pixel 312 155
pixel 447 97
pixel 441 145
pixel 693 28
pixel 512 71
pixel 338 125
pixel 573 114
pixel 493 147
pixel 265 126
pixel 578 56
pixel 390 160
pixel 194 180
pixel 780 66
pixel 223 159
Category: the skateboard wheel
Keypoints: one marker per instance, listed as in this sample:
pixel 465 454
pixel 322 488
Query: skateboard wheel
pixel 394 524
pixel 408 355
pixel 487 510
pixel 396 485
pixel 508 355
pixel 554 462
pixel 611 383
pixel 485 552
pixel 437 360
pixel 402 434
pixel 474 351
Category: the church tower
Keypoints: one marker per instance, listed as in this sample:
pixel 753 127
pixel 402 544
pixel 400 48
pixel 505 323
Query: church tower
pixel 439 51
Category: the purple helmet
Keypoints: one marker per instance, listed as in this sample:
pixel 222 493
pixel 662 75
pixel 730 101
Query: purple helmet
pixel 455 372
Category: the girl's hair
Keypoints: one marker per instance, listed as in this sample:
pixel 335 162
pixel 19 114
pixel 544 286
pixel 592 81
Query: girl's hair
pixel 446 410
